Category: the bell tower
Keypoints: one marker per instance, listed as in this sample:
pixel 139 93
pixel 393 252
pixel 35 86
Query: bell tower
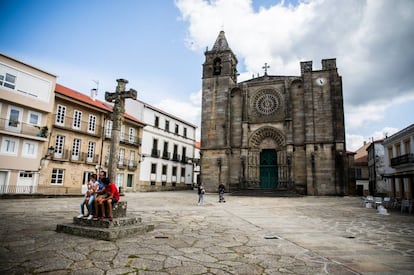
pixel 219 77
pixel 220 61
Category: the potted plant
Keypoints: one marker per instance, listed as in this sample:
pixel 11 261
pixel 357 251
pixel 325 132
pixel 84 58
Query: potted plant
pixel 13 122
pixel 43 131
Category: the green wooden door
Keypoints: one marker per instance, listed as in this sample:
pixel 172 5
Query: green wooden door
pixel 268 169
pixel 130 180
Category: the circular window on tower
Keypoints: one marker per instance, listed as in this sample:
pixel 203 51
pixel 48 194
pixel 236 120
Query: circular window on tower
pixel 267 102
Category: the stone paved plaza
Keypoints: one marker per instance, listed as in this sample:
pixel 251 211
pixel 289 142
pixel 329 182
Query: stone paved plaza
pixel 245 235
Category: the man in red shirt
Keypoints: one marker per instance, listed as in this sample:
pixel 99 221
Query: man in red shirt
pixel 111 197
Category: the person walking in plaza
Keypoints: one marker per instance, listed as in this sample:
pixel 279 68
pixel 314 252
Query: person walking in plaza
pixel 111 197
pixel 201 191
pixel 221 189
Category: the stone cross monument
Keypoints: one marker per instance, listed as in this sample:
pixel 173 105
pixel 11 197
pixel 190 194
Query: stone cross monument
pixel 118 98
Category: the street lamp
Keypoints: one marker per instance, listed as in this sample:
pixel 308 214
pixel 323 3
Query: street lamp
pixel 50 151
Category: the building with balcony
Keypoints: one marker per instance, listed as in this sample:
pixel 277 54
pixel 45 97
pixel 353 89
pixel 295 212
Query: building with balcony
pixel 168 148
pixel 399 163
pixel 26 101
pixel 79 143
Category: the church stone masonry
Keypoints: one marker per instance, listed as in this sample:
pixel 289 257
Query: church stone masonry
pixel 282 133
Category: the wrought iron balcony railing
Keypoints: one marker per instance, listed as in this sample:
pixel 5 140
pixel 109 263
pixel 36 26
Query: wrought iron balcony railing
pixel 122 163
pixel 155 153
pixel 166 155
pixel 132 165
pixel 83 126
pixel 132 140
pixel 176 157
pixel 402 160
pixel 184 159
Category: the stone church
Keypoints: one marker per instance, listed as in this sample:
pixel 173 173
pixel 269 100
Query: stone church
pixel 277 133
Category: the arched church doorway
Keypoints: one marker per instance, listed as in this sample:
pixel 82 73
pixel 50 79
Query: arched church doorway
pixel 268 169
pixel 268 166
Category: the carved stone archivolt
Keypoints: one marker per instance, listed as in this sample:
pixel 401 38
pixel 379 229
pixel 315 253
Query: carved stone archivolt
pixel 266 138
pixel 265 133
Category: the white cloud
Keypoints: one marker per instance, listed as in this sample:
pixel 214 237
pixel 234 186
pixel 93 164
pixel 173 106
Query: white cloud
pixel 385 132
pixel 196 98
pixel 190 112
pixel 366 37
pixel 353 142
pixel 360 116
pixel 183 110
pixel 371 40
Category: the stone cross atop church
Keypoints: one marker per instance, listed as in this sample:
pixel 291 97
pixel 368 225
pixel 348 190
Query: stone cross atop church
pixel 118 98
pixel 265 67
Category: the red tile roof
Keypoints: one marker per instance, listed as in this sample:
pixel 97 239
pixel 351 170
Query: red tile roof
pixel 60 89
pixel 81 97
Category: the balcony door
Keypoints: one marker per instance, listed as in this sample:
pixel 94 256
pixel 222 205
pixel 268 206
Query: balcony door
pixel 14 118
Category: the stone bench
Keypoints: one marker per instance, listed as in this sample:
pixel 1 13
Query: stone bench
pixel 119 209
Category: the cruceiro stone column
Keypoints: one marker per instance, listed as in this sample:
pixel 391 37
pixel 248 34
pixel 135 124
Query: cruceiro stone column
pixel 118 98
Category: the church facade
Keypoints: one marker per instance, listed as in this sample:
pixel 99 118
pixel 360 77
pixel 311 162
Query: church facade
pixel 272 132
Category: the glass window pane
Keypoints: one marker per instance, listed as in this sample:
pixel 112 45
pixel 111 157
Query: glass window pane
pixel 10 78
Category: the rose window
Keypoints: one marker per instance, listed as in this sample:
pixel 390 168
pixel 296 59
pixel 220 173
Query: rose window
pixel 267 104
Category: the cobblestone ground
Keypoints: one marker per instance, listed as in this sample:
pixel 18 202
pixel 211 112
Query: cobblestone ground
pixel 245 235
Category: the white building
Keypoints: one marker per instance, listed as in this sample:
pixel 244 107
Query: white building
pixel 26 100
pixel 168 148
pixel 399 163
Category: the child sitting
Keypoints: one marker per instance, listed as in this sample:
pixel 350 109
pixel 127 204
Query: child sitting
pixel 91 186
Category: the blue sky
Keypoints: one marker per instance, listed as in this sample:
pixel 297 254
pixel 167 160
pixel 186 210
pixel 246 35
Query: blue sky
pixel 159 47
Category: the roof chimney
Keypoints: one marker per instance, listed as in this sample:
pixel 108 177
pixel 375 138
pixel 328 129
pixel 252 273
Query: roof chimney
pixel 94 93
